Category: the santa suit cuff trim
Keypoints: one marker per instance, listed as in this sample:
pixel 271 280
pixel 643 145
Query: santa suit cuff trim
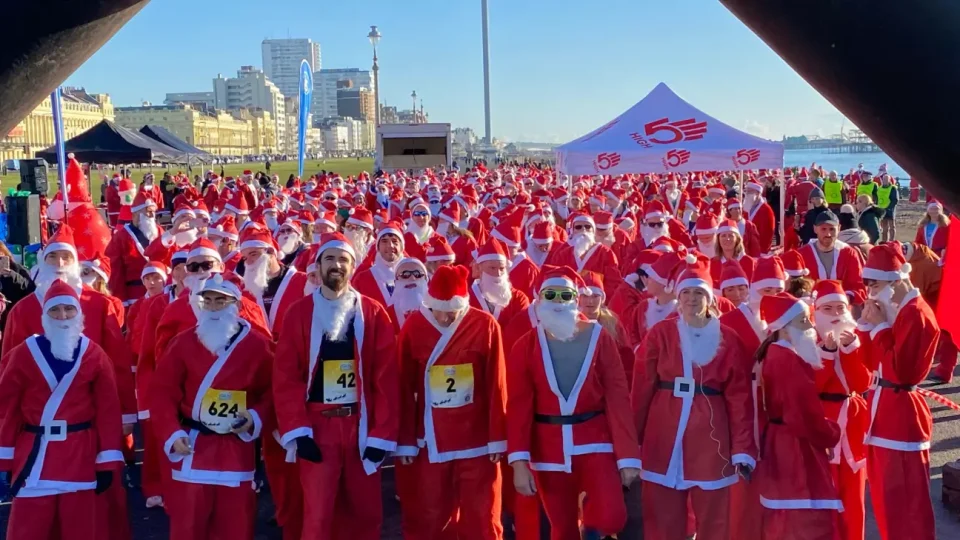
pixel 854 345
pixel 406 451
pixel 109 456
pixel 133 369
pixel 253 434
pixel 878 328
pixel 744 459
pixel 129 418
pixel 128 303
pixel 864 326
pixel 890 444
pixel 168 446
pixel 143 415
pixel 518 456
pixel 286 440
pixel 802 504
pixel 497 447
pixel 6 452
pixel 167 239
pixel 382 444
pixel 629 463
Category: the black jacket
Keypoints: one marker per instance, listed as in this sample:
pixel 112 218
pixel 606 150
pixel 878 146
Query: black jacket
pixel 869 222
pixel 14 286
pixel 806 231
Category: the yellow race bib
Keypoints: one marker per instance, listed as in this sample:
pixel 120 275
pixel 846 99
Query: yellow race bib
pixel 221 408
pixel 451 386
pixel 339 382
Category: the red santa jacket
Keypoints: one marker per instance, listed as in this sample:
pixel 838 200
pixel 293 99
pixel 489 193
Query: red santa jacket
pixel 686 398
pixel 601 388
pixel 524 274
pixel 463 248
pixel 520 325
pixel 31 395
pixel 369 286
pixel 624 302
pixel 937 242
pixel 647 314
pixel 190 382
pixel 747 262
pixel 414 248
pixel 295 368
pixel 232 259
pixel 502 314
pixel 127 259
pixel 751 238
pixel 794 473
pixel 145 337
pixel 847 268
pixel 599 258
pixel 902 353
pixel 749 328
pixel 800 192
pixel 113 204
pixel 154 193
pixel 452 387
pixel 211 194
pixel 845 374
pixel 761 215
pixel 101 323
pixel 291 289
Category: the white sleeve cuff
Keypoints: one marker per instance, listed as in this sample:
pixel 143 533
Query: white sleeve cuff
pixel 109 456
pixel 167 239
pixel 497 447
pixel 854 345
pixel 382 444
pixel 406 451
pixel 864 326
pixel 878 328
pixel 6 452
pixel 248 436
pixel 133 369
pixel 629 463
pixel 168 446
pixel 518 456
pixel 129 418
pixel 143 415
pixel 286 440
pixel 744 459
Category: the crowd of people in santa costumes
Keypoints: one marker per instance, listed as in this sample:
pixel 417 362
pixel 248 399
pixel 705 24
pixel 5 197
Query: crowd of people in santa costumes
pixel 592 356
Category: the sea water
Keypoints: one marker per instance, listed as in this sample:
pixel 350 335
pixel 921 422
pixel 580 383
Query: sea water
pixel 842 163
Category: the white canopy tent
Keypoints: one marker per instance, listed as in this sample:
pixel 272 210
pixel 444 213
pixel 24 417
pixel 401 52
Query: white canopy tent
pixel 664 133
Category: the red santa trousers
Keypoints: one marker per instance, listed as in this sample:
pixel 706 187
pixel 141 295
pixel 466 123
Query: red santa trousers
pixel 208 512
pixel 946 355
pixel 665 514
pixel 595 475
pixel 525 510
pixel 800 525
pixel 284 479
pixel 471 486
pixel 340 500
pixel 852 487
pixel 72 515
pixel 900 486
pixel 152 469
pixel 745 510
pixel 111 509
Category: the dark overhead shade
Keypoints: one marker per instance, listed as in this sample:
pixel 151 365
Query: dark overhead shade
pixel 109 143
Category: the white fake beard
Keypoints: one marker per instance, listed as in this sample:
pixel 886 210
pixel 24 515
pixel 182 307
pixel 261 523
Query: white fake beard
pixel 607 238
pixel 559 320
pixel 536 256
pixel 64 336
pixel 334 314
pixel 406 300
pixel 749 201
pixel 361 246
pixel 805 344
pixel 89 279
pixel 194 282
pixel 316 237
pixel 255 276
pixel 581 242
pixel 47 274
pixel 186 238
pixel 435 208
pixel 418 232
pixel 563 212
pixel 710 250
pixel 827 324
pixel 496 289
pixel 148 226
pixel 288 243
pixel 673 194
pixel 271 222
pixel 754 300
pixel 650 234
pixel 215 328
pixel 885 297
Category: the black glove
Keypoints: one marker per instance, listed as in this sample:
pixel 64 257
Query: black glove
pixel 104 479
pixel 307 449
pixel 374 455
pixel 745 471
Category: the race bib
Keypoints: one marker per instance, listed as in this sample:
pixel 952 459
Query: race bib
pixel 451 386
pixel 221 408
pixel 339 382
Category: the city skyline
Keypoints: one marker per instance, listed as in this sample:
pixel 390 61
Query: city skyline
pixel 556 74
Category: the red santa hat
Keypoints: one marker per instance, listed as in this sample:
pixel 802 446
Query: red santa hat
pixel 603 220
pixel 257 238
pixel 62 240
pixel 237 204
pixel 200 209
pixel 78 191
pixel 707 223
pixel 793 264
pixel 886 263
pixel 728 226
pixel 716 191
pixel 664 267
pixel 695 274
pixel 99 264
pixel 127 190
pixel 60 294
pixel 439 250
pixel 492 250
pixel 335 240
pixel 654 210
pixel 154 267
pixel 141 201
pixel 828 290
pixel 328 218
pixel 933 203
pixel 598 200
pixel 292 224
pixel 732 275
pixel 593 284
pixel 217 283
pixel 361 217
pixel 542 233
pixel 582 218
pixel 768 273
pixel 451 213
pixel 508 231
pixel 802 175
pixel 732 203
pixel 183 208
pixel 226 227
pixel 447 290
pixel 392 227
pixel 561 276
pixel 203 248
pixel 778 310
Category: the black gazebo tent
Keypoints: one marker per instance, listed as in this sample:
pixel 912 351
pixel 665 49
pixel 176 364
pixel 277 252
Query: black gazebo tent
pixel 165 136
pixel 109 143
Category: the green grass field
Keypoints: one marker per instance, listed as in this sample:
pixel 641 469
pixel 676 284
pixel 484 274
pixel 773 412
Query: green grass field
pixel 345 167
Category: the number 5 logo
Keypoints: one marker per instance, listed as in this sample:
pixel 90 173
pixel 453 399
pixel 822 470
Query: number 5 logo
pixel 675 158
pixel 745 157
pixel 681 130
pixel 607 160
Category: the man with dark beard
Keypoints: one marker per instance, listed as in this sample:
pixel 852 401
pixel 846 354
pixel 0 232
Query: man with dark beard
pixel 126 250
pixel 225 368
pixel 274 285
pixel 61 432
pixel 491 291
pixel 335 387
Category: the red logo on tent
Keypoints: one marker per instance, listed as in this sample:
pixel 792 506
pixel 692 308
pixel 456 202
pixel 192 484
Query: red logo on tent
pixel 680 130
pixel 675 158
pixel 601 130
pixel 638 138
pixel 746 157
pixel 606 160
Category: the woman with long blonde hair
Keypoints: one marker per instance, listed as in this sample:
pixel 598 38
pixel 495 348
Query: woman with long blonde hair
pixel 933 229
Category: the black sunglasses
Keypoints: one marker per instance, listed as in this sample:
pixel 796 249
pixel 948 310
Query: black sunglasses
pixel 415 274
pixel 204 266
pixel 582 227
pixel 421 213
pixel 655 225
pixel 550 295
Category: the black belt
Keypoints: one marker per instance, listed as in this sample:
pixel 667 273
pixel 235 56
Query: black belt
pixel 567 420
pixel 835 396
pixel 341 412
pixel 193 424
pixel 57 432
pixel 705 390
pixel 884 383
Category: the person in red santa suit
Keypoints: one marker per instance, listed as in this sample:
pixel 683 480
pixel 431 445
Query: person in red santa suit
pixel 492 290
pixel 184 231
pixel 759 212
pixel 609 235
pixel 541 245
pixel 335 387
pixel 209 400
pixel 661 301
pixel 247 186
pixel 419 230
pixel 796 487
pixel 747 230
pixel 127 247
pixel 152 190
pixel 694 414
pixel 569 429
pixel 377 280
pixel 359 231
pixel 730 247
pixel 439 253
pixel 453 401
pixel 903 336
pixel 60 438
pixel 655 225
pixel 225 237
pixel 828 258
pixel 674 199
pixel 461 240
pixel 583 252
pixel 154 278
pixel 593 305
pixel 314 228
pixel 289 237
pixel 524 273
pixel 274 285
pixel 842 381
pixel 410 286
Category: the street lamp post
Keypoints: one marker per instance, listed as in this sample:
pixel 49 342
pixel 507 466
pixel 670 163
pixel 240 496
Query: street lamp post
pixel 414 110
pixel 374 37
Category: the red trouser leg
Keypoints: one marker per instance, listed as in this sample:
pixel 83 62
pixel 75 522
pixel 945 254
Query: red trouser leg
pixel 525 510
pixel 596 476
pixel 284 479
pixel 712 511
pixel 72 514
pixel 852 488
pixel 407 481
pixel 745 510
pixel 111 509
pixel 900 486
pixel 947 356
pixel 150 470
pixel 477 482
pixel 800 525
pixel 664 512
pixel 206 512
pixel 437 499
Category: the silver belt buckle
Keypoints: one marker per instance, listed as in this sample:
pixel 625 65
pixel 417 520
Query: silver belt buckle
pixel 683 387
pixel 55 430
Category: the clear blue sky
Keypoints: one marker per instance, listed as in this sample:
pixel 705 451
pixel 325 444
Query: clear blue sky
pixel 560 68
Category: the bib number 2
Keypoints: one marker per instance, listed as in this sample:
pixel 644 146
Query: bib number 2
pixel 451 386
